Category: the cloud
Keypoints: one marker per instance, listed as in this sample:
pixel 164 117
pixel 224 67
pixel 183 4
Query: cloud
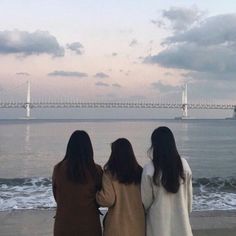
pixel 102 84
pixel 181 18
pixel 23 73
pixel 114 54
pixel 62 73
pixel 116 85
pixel 77 47
pixel 168 74
pixel 133 43
pixel 164 88
pixel 209 47
pixel 26 43
pixel 215 59
pixel 158 23
pixel 125 72
pixel 215 30
pixel 101 75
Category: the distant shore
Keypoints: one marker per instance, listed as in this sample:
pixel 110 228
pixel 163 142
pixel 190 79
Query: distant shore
pixel 40 223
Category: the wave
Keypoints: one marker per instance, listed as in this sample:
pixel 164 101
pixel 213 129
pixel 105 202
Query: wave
pixel 26 193
pixel 216 183
pixel 36 193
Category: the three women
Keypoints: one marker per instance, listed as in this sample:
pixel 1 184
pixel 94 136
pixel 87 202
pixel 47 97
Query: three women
pixel 165 190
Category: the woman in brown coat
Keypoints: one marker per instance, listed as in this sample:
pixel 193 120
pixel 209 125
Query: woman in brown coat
pixel 121 192
pixel 76 179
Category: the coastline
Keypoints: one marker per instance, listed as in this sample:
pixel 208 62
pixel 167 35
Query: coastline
pixel 40 223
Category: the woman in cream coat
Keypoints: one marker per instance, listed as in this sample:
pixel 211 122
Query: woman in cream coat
pixel 166 188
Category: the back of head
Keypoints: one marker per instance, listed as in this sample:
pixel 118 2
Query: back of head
pixel 166 160
pixel 122 163
pixel 79 157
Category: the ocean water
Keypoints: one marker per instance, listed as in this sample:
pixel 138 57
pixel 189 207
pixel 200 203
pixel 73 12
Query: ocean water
pixel 30 149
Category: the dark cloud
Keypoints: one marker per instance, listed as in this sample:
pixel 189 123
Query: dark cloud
pixel 101 75
pixel 215 30
pixel 215 59
pixel 102 84
pixel 181 18
pixel 23 73
pixel 165 88
pixel 208 47
pixel 133 43
pixel 68 74
pixel 77 47
pixel 116 85
pixel 26 44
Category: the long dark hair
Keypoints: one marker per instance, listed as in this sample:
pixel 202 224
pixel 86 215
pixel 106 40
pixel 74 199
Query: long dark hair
pixel 166 160
pixel 79 158
pixel 122 163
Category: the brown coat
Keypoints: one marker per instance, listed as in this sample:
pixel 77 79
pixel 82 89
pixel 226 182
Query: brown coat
pixel 125 215
pixel 77 213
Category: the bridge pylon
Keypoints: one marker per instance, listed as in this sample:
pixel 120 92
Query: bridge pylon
pixel 234 113
pixel 185 102
pixel 27 105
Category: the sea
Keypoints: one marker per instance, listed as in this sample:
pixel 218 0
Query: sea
pixel 29 149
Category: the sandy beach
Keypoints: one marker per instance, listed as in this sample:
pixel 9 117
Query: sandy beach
pixel 40 223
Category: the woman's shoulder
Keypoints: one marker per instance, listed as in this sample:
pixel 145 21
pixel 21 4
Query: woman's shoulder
pixel 148 169
pixel 186 166
pixel 57 166
pixel 58 169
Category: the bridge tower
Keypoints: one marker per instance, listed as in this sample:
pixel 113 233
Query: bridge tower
pixel 185 102
pixel 27 106
pixel 234 114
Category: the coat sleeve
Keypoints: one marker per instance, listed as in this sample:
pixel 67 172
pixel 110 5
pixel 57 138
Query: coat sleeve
pixel 54 183
pixel 106 197
pixel 189 192
pixel 146 191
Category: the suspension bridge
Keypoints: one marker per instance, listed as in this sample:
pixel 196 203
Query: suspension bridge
pixel 184 106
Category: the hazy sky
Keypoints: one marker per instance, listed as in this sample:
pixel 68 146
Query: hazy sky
pixel 118 50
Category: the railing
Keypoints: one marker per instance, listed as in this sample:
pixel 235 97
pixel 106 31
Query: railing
pixel 113 105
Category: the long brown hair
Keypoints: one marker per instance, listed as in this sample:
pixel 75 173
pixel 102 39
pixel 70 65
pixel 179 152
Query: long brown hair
pixel 166 160
pixel 122 163
pixel 79 158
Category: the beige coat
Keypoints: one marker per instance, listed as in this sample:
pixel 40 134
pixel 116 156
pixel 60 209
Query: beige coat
pixel 125 215
pixel 167 214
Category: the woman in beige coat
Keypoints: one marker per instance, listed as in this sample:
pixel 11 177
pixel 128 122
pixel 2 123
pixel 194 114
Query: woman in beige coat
pixel 121 192
pixel 166 188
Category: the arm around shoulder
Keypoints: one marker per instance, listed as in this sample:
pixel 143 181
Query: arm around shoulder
pixel 106 197
pixel 146 189
pixel 188 176
pixel 189 192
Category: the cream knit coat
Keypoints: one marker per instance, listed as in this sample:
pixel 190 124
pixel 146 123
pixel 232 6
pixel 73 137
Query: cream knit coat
pixel 125 215
pixel 167 214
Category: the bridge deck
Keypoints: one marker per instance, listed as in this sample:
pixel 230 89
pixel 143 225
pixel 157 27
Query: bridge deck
pixel 113 105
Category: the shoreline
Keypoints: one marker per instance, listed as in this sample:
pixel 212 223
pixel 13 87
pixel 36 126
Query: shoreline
pixel 40 223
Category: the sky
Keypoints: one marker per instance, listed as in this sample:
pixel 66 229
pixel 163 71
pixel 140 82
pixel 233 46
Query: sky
pixel 111 50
